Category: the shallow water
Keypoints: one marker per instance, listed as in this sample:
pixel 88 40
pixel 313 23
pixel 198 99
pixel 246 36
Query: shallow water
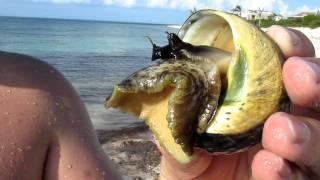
pixel 92 55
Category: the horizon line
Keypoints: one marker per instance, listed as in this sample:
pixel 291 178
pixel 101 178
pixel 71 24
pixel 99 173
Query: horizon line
pixel 91 20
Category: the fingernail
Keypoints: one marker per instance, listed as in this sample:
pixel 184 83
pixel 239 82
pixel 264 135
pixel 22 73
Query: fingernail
pixel 283 168
pixel 278 165
pixel 300 131
pixel 295 38
pixel 316 104
pixel 315 68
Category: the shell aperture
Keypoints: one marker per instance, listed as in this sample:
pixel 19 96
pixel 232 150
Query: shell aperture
pixel 193 79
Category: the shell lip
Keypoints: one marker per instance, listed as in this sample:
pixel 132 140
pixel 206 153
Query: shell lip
pixel 227 144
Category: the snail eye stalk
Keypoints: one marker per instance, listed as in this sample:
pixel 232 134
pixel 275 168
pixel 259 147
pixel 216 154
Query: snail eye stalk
pixel 175 42
pixel 172 50
pixel 158 52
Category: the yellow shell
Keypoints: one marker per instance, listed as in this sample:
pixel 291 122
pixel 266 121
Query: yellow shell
pixel 254 77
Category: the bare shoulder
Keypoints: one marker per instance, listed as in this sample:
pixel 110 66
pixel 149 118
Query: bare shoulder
pixel 17 70
pixel 32 87
pixel 42 114
pixel 26 104
pixel 24 84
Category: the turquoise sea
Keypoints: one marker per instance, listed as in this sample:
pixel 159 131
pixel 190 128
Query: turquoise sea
pixel 92 55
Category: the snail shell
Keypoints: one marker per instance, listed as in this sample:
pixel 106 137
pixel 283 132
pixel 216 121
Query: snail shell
pixel 214 87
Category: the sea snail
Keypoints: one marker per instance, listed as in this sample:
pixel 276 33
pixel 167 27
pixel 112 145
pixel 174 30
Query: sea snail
pixel 212 87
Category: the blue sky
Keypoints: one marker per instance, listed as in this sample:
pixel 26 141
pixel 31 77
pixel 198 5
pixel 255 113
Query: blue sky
pixel 147 11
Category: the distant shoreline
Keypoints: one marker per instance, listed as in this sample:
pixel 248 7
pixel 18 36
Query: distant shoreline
pixel 174 26
pixel 83 20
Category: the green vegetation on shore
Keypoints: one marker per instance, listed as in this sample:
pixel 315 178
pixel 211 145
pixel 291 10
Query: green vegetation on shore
pixel 311 21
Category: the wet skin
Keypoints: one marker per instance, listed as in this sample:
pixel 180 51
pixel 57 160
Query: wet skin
pixel 45 130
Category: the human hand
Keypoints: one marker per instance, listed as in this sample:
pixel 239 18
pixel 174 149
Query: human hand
pixel 290 143
pixel 287 151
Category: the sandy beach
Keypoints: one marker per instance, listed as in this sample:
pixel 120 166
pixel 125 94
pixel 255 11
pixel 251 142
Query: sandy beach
pixel 132 149
pixel 133 152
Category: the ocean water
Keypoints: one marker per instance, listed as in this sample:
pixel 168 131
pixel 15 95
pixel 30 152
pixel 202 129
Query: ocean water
pixel 92 55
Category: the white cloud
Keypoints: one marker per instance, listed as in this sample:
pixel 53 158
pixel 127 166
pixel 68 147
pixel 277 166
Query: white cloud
pixel 304 8
pixel 108 2
pixel 278 6
pixel 125 3
pixel 171 3
pixel 157 3
pixel 254 4
pixel 269 5
pixel 186 4
pixel 218 4
pixel 65 1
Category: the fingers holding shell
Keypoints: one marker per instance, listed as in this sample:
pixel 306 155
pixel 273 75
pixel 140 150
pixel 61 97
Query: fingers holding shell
pixel 302 81
pixel 267 165
pixel 295 139
pixel 291 42
pixel 301 75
